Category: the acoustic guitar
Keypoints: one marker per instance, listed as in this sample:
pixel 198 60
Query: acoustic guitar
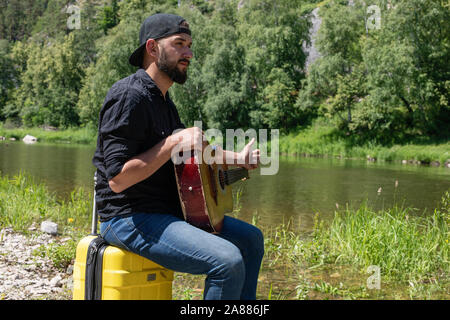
pixel 205 191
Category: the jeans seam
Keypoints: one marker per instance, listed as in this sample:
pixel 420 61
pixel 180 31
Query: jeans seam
pixel 109 228
pixel 103 234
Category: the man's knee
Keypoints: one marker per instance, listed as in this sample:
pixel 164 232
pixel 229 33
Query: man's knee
pixel 230 264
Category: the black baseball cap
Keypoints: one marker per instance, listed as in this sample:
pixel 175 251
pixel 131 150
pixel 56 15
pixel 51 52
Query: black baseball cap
pixel 157 26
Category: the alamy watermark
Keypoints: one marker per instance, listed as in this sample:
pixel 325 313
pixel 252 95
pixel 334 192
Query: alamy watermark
pixel 235 142
pixel 374 281
pixel 74 20
pixel 374 17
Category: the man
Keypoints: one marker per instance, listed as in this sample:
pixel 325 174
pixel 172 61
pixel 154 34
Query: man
pixel 136 192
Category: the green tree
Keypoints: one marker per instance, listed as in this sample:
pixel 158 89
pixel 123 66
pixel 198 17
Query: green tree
pixel 17 17
pixel 109 16
pixel 408 65
pixel 50 84
pixel 272 34
pixel 7 76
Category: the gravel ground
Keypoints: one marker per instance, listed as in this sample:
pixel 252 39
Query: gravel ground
pixel 26 276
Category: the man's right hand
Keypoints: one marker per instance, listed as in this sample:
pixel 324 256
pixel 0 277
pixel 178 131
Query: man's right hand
pixel 188 139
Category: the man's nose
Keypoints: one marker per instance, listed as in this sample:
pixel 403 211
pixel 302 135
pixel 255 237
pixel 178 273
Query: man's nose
pixel 188 53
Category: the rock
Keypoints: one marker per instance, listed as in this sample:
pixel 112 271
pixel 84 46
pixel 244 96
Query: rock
pixel 25 275
pixel 312 53
pixel 29 139
pixel 49 227
pixel 32 227
pixel 69 269
pixel 56 281
pixel 335 275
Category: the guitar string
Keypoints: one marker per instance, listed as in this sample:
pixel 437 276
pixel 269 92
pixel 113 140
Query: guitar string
pixel 233 175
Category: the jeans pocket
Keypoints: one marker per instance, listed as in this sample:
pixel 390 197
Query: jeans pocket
pixel 105 231
pixel 114 240
pixel 111 236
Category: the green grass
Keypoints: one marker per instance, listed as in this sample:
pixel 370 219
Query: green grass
pixel 329 262
pixel 320 140
pixel 404 246
pixel 72 135
pixel 23 202
pixel 332 262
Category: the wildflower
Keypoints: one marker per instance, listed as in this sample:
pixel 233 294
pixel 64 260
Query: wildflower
pixel 396 183
pixel 379 190
pixel 69 220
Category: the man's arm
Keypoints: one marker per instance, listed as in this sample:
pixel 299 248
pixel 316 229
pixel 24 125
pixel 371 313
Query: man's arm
pixel 142 166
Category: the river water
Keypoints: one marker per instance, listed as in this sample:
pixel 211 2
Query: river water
pixel 301 188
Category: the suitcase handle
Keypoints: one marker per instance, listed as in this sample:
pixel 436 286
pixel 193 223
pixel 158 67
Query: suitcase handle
pixel 94 210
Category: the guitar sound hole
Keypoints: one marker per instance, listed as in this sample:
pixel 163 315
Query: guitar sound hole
pixel 221 179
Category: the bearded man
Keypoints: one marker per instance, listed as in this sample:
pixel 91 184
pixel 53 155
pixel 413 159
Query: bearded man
pixel 136 192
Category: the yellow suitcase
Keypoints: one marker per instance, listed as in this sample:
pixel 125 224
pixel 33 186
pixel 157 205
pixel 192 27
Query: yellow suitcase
pixel 105 272
pixel 119 275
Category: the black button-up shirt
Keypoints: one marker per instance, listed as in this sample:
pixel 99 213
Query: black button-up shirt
pixel 135 117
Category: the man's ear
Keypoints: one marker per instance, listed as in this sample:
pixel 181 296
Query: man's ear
pixel 151 46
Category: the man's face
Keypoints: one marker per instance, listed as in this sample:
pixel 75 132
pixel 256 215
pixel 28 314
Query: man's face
pixel 175 55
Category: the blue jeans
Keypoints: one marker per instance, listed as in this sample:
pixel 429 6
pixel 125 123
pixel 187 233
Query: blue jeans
pixel 231 260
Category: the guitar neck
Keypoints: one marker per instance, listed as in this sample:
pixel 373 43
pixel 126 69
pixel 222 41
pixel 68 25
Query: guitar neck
pixel 233 175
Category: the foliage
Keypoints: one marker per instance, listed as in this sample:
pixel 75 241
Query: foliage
pixel 388 84
pixel 60 255
pixel 385 85
pixel 50 84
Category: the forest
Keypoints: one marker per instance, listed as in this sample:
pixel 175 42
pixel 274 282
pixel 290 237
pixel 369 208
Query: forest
pixel 382 73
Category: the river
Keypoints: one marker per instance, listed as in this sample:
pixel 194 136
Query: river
pixel 301 188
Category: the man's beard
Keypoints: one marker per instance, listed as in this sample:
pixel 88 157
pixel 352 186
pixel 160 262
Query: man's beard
pixel 171 69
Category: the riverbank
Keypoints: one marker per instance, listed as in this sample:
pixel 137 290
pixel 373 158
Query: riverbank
pixel 331 262
pixel 315 141
pixel 52 135
pixel 319 140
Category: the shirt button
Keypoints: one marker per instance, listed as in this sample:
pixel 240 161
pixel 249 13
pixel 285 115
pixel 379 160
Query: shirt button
pixel 162 132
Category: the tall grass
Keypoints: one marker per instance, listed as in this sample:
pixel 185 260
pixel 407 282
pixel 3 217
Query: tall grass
pixel 405 246
pixel 23 201
pixel 411 252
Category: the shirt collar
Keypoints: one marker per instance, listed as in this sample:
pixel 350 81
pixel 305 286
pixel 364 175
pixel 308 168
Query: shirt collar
pixel 149 83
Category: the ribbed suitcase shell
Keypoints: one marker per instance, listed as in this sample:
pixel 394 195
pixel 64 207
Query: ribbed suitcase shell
pixel 125 275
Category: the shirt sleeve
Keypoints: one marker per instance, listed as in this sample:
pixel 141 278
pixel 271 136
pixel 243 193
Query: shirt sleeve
pixel 123 129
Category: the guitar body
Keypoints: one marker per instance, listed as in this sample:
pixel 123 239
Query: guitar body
pixel 205 193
